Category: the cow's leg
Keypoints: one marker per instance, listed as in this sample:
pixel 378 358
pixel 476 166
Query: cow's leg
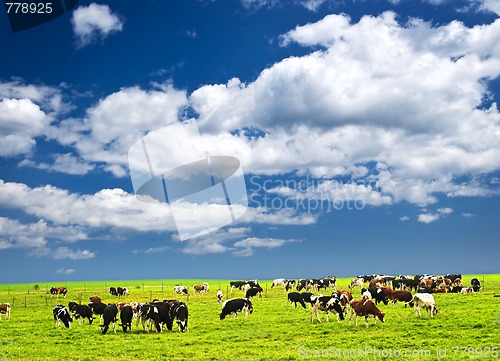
pixel 350 316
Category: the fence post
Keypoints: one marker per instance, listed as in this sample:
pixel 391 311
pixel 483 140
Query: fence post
pixel 28 289
pixel 25 301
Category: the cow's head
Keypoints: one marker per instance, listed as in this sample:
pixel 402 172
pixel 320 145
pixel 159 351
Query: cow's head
pixel 381 316
pixel 434 311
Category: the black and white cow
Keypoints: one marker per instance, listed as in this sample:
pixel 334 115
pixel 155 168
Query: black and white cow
pixel 237 284
pixel 122 291
pixel 181 290
pixel 306 284
pixel 475 284
pixel 254 291
pixel 97 308
pixel 113 291
pixel 295 297
pixel 148 315
pixel 164 316
pixel 126 315
pixel 235 305
pixel 61 314
pixel 109 317
pixel 327 304
pixel 179 312
pixel 81 312
pixel 377 294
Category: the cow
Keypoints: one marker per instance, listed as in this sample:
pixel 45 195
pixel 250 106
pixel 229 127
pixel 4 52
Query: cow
pixel 254 291
pixel 458 282
pixel 179 313
pixel 56 291
pixel 109 317
pixel 308 297
pixel 357 282
pixel 475 284
pixel 278 282
pixel 147 314
pixel 295 297
pixel 164 317
pixel 237 284
pixel 367 309
pixel 327 304
pixel 325 283
pixel 424 300
pixel 466 290
pixel 456 289
pixel 400 295
pixel 81 312
pixel 5 308
pixel 126 315
pixel 377 282
pixel 344 297
pixel 409 284
pixel 453 277
pixel 201 288
pixel 305 284
pixel 122 291
pixel 289 285
pixel 236 305
pixel 113 291
pixel 61 314
pixel 378 294
pixel 181 290
pixel 95 299
pixel 97 308
pixel 220 296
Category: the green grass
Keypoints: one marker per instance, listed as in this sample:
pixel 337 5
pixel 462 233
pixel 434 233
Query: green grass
pixel 272 332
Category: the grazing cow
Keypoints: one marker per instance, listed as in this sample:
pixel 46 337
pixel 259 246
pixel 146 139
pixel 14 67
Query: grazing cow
pixel 236 305
pixel 61 314
pixel 95 299
pixel 220 296
pixel 113 291
pixel 148 315
pixel 377 282
pixel 295 297
pixel 367 309
pixel 5 308
pixel 424 300
pixel 278 282
pixel 366 295
pixel 56 291
pixel 97 308
pixel 254 291
pixel 181 290
pixel 400 295
pixel 81 312
pixel 237 284
pixel 109 316
pixel 164 317
pixel 179 313
pixel 126 315
pixel 327 304
pixel 475 284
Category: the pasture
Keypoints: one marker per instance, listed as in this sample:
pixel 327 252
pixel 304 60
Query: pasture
pixel 467 327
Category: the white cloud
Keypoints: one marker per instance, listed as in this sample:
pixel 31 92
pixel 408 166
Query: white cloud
pixel 246 247
pixel 428 217
pixel 64 253
pixel 491 5
pixel 93 22
pixel 65 271
pixel 63 163
pixel 404 218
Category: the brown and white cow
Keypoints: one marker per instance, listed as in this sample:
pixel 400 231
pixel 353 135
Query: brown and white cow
pixel 5 308
pixel 56 291
pixel 201 288
pixel 367 309
pixel 400 295
pixel 95 299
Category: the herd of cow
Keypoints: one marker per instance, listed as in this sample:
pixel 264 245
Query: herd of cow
pixel 374 290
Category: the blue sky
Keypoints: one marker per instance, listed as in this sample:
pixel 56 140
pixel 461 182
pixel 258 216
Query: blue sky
pixel 368 134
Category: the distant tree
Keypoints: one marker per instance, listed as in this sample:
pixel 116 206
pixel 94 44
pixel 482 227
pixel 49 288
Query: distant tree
pixel 36 287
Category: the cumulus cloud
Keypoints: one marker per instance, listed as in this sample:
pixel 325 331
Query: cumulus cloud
pixel 432 217
pixel 65 271
pixel 246 247
pixel 63 163
pixel 94 22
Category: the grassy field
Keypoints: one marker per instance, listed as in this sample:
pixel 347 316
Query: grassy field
pixel 467 327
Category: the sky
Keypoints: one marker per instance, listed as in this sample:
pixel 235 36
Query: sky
pixel 330 138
